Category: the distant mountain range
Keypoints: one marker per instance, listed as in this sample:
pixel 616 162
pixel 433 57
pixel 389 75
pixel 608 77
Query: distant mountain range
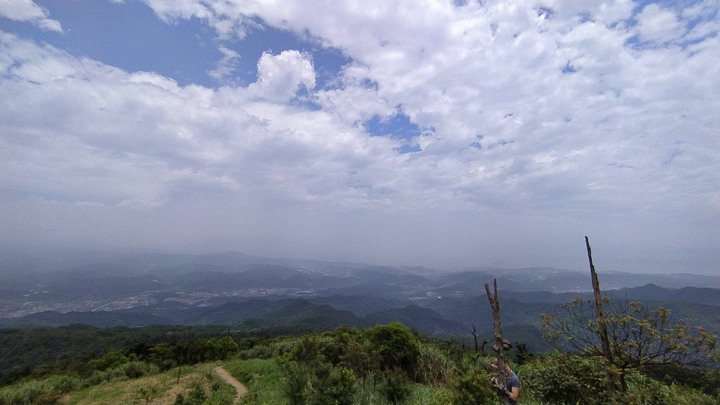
pixel 254 292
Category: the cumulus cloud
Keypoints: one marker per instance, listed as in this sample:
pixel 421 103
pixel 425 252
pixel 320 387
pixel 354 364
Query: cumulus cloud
pixel 28 11
pixel 281 76
pixel 92 115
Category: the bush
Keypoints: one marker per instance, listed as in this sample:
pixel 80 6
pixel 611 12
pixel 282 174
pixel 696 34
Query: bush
pixel 395 386
pixel 294 379
pixel 472 387
pixel 257 352
pixel 705 380
pixel 433 366
pixel 560 378
pixel 359 359
pixel 643 390
pixel 137 369
pixel 396 346
pixel 109 360
pixel 45 391
pixel 196 396
pixel 316 382
pixel 337 386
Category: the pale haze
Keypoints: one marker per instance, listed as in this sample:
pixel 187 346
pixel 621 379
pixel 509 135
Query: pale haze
pixel 437 133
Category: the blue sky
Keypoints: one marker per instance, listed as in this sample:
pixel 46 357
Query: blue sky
pixel 439 133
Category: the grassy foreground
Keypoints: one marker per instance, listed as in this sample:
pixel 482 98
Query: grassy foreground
pixel 384 365
pixel 194 384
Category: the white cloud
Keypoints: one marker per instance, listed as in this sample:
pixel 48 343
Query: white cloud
pixel 656 24
pixel 545 123
pixel 355 99
pixel 221 16
pixel 226 67
pixel 281 76
pixel 90 115
pixel 28 11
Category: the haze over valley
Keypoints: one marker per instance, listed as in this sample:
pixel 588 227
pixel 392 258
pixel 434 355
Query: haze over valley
pixel 236 289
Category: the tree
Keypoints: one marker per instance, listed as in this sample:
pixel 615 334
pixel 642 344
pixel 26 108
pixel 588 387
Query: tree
pixel 626 335
pixel 500 342
pixel 109 360
pixel 396 347
pixel 601 324
pixel 639 338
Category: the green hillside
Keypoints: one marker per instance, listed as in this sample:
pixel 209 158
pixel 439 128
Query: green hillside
pixel 384 364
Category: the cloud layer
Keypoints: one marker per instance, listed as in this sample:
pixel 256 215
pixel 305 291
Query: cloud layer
pixel 538 123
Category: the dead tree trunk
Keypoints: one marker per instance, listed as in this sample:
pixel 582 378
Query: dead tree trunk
pixel 475 339
pixel 602 325
pixel 495 306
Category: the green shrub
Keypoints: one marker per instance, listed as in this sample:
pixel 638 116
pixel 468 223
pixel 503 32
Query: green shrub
pixel 109 360
pixel 196 396
pixel 643 390
pixel 316 382
pixel 433 366
pixel 40 391
pixel 706 380
pixel 396 346
pixel 395 386
pixel 338 386
pixel 560 378
pixel 137 369
pixel 472 387
pixel 257 352
pixel 294 379
pixel 360 359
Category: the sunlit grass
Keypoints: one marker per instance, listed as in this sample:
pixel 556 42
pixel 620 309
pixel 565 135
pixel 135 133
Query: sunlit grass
pixel 158 389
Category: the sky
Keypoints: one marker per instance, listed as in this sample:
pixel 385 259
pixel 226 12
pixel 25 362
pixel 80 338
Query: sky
pixel 441 133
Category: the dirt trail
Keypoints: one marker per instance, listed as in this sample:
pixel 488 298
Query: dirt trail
pixel 228 378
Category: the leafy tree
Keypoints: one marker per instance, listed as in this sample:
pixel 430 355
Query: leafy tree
pixel 162 355
pixel 640 338
pixel 109 360
pixel 358 357
pixel 397 347
pixel 522 353
pixel 217 349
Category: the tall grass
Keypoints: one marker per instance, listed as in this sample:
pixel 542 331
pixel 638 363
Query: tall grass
pixel 115 387
pixel 50 389
pixel 46 390
pixel 262 378
pixel 148 389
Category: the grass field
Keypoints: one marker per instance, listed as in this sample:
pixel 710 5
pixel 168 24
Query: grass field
pixel 158 389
